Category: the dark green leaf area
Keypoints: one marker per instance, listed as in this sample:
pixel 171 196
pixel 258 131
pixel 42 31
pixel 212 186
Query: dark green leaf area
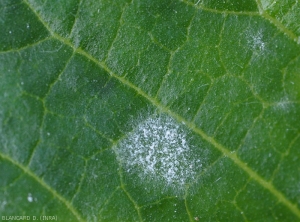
pixel 249 199
pixel 287 12
pixel 132 41
pixel 222 120
pixel 9 81
pixel 100 103
pixel 19 26
pixel 41 66
pixel 290 163
pixel 116 110
pixel 292 78
pixel 54 155
pixel 96 26
pixel 172 23
pixel 119 202
pixel 168 209
pixel 100 187
pixel 212 197
pixel 25 194
pixel 73 80
pixel 8 174
pixel 59 174
pixel 20 128
pixel 154 60
pixel 59 15
pixel 230 5
pixel 166 22
pixel 277 134
pixel 177 88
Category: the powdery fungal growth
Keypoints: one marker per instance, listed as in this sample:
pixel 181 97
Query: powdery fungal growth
pixel 158 150
pixel 256 41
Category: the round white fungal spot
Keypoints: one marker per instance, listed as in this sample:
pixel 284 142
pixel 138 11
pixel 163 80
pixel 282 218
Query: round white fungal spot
pixel 159 149
pixel 29 197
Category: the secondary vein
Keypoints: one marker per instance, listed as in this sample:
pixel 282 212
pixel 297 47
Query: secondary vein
pixel 27 171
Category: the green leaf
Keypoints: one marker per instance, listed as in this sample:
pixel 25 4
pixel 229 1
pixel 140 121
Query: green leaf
pixel 150 110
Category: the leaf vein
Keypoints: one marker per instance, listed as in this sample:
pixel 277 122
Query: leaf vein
pixel 45 185
pixel 26 46
pixel 117 32
pixel 57 78
pixel 75 18
pixel 277 23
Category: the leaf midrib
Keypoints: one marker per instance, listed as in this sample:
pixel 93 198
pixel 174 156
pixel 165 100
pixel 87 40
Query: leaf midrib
pixel 267 185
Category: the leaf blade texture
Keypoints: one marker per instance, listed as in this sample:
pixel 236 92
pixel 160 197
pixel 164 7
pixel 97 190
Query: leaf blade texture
pixel 150 110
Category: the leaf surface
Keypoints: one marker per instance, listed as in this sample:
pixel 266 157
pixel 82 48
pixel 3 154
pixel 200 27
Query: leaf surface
pixel 150 110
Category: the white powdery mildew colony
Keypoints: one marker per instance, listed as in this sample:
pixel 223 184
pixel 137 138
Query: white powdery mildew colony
pixel 158 150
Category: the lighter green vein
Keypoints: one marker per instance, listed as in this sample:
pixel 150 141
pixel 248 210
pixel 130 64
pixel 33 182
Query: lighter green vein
pixel 158 201
pixel 52 84
pixel 191 125
pixel 278 24
pixel 260 7
pixel 75 18
pixel 128 195
pixel 133 202
pixel 10 184
pixel 43 184
pixel 186 205
pixel 26 46
pixel 275 22
pixel 81 181
pixel 108 199
pixel 97 131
